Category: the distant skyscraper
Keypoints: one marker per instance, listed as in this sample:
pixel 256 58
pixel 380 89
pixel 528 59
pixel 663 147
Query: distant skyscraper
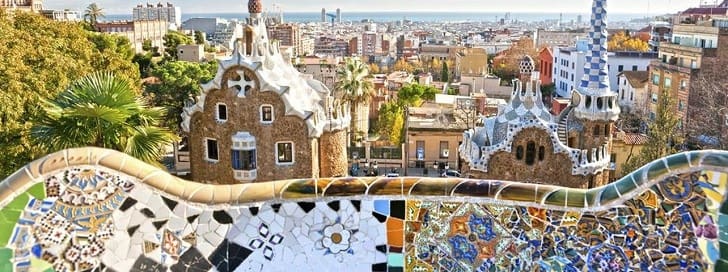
pixel 338 15
pixel 25 5
pixel 323 15
pixel 578 20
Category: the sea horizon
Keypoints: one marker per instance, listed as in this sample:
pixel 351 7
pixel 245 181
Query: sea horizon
pixel 415 16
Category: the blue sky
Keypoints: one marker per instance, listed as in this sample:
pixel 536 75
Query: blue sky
pixel 228 6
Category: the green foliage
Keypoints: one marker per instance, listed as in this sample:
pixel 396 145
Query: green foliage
pixel 662 136
pixel 102 110
pixel 391 122
pixel 415 94
pixel 40 59
pixel 452 91
pixel 445 73
pixel 147 45
pixel 144 61
pixel 199 38
pixel 354 86
pixel 180 82
pixel 548 90
pixel 172 40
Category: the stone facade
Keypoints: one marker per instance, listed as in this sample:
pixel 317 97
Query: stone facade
pixel 333 149
pixel 244 115
pixel 260 119
pixel 552 166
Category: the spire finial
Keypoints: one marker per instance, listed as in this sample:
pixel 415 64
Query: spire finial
pixel 255 7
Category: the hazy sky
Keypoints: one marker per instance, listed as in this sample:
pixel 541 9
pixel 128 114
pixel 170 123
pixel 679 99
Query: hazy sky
pixel 229 6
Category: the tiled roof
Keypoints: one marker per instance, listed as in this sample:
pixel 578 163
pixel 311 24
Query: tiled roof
pixel 633 138
pixel 706 11
pixel 638 79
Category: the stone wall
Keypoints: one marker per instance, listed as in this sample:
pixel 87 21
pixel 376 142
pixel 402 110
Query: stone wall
pixel 334 163
pixel 244 116
pixel 554 169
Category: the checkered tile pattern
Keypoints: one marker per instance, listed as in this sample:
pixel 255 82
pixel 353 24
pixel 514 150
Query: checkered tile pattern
pixel 596 76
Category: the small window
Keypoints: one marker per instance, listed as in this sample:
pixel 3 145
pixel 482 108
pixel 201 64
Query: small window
pixel 606 130
pixel 211 150
pixel 222 114
pixel 668 83
pixel 680 105
pixel 596 130
pixel 266 114
pixel 541 153
pixel 634 67
pixel 654 98
pixel 444 151
pixel 284 153
pixel 655 79
pixel 530 153
pixel 620 68
pixel 519 153
pixel 652 116
pixel 683 84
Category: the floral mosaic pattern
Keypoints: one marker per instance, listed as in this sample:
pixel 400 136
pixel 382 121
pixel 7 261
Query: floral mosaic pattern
pixel 82 218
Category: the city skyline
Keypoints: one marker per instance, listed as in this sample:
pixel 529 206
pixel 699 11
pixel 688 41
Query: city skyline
pixel 568 6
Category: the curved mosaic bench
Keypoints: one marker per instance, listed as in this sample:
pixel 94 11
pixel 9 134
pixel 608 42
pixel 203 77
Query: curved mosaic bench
pixel 90 208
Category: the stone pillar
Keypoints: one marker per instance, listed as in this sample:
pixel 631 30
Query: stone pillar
pixel 332 155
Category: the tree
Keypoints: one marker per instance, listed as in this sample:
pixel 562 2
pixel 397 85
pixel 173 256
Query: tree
pixel 621 41
pixel 445 73
pixel 374 68
pixel 403 65
pixel 92 14
pixel 60 54
pixel 391 122
pixel 507 64
pixel 104 111
pixel 199 38
pixel 180 82
pixel 662 135
pixel 415 94
pixel 355 87
pixel 708 111
pixel 172 40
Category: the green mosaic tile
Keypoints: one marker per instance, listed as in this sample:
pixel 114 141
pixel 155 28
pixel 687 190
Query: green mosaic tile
pixel 395 260
pixel 715 159
pixel 40 265
pixel 38 191
pixel 657 169
pixel 722 265
pixel 678 161
pixel 10 215
pixel 625 186
pixel 6 256
pixel 723 252
pixel 609 194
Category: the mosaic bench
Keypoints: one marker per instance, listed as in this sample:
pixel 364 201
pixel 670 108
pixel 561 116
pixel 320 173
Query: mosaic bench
pixel 93 209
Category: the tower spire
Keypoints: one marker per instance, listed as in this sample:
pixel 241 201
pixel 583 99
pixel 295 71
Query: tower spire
pixel 593 99
pixel 596 74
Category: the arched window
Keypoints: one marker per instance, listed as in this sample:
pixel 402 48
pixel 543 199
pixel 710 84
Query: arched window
pixel 606 130
pixel 541 153
pixel 596 130
pixel 519 153
pixel 530 153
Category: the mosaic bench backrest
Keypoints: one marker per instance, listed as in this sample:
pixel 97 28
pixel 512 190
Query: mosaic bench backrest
pixel 93 209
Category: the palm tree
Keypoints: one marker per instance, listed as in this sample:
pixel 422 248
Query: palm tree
pixel 355 88
pixel 103 110
pixel 93 13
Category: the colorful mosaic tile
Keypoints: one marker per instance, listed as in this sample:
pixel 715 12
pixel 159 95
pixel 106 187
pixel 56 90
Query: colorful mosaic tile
pixel 90 217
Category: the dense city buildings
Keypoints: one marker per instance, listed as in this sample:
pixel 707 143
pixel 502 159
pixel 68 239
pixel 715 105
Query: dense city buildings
pixel 62 15
pixel 23 5
pixel 159 12
pixel 137 32
pixel 693 51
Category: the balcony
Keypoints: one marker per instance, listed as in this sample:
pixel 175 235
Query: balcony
pixel 684 49
pixel 672 67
